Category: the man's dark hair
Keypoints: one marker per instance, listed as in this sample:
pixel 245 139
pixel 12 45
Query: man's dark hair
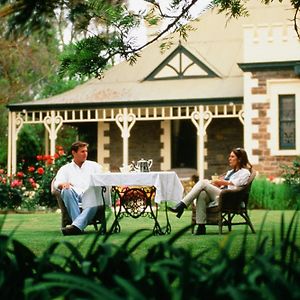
pixel 75 146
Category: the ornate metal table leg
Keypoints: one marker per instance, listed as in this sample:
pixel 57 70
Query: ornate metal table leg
pixel 168 227
pixel 156 229
pixel 116 228
pixel 103 217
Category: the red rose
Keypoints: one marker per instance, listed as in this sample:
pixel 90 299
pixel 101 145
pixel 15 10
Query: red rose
pixel 40 171
pixel 20 174
pixel 49 161
pixel 61 152
pixel 39 157
pixel 46 157
pixel 16 183
pixel 31 180
pixel 31 169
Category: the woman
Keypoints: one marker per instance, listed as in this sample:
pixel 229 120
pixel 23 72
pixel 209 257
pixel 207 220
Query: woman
pixel 207 192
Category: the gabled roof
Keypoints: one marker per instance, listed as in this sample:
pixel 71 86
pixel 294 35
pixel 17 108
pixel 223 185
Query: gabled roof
pixel 215 48
pixel 181 64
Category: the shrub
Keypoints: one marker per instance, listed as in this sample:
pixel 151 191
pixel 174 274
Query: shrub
pixel 269 195
pixel 10 197
pixel 46 169
pixel 291 175
pixel 109 271
pixel 30 186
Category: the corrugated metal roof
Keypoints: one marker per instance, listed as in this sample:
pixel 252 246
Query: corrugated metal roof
pixel 217 44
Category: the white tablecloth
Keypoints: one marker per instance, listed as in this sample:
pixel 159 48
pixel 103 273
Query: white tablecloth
pixel 167 184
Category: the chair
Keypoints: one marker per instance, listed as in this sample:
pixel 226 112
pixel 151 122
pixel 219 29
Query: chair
pixel 231 203
pixel 65 218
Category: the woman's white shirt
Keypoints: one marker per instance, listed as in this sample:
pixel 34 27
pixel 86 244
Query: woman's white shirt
pixel 239 178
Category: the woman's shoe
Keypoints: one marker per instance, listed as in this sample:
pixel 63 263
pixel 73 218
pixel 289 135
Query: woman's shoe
pixel 201 230
pixel 179 209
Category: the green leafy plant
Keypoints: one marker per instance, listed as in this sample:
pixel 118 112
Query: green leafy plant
pixel 291 174
pixel 269 195
pixel 111 271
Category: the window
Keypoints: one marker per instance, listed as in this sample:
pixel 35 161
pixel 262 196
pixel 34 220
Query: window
pixel 287 122
pixel 284 96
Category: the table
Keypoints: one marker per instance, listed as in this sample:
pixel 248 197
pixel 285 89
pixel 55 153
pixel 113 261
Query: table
pixel 141 189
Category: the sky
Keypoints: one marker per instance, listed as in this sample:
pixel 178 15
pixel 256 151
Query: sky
pixel 140 5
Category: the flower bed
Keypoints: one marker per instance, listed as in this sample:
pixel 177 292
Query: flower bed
pixel 29 188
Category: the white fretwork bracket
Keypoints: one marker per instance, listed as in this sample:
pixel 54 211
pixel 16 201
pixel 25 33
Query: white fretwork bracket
pixel 201 120
pixel 241 116
pixel 19 125
pixel 53 124
pixel 125 122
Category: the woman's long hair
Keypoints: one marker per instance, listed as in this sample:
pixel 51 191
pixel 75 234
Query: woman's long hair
pixel 242 156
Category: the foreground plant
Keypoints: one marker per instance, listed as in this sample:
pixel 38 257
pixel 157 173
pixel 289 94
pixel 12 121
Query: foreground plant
pixel 109 271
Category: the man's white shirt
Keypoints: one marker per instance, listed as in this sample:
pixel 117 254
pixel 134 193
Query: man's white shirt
pixel 78 177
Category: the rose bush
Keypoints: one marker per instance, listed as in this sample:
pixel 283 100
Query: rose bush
pixel 30 187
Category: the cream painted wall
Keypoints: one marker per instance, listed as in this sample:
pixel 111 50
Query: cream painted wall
pixel 249 114
pixel 270 42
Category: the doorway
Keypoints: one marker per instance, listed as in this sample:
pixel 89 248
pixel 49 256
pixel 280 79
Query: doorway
pixel 183 144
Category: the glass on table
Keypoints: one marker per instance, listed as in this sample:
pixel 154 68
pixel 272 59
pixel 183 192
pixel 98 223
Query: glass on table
pixel 125 169
pixel 214 177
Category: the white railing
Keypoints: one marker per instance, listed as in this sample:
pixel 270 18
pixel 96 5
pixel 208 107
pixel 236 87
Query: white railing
pixel 147 113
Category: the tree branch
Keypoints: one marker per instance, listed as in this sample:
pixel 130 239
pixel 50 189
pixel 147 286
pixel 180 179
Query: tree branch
pixel 10 9
pixel 295 21
pixel 171 25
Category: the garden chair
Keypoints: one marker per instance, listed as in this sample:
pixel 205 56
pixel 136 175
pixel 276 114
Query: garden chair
pixel 232 203
pixel 99 218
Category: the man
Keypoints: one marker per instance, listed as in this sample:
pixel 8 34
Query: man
pixel 73 180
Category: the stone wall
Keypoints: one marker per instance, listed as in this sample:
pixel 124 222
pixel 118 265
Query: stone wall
pixel 222 136
pixel 268 165
pixel 263 76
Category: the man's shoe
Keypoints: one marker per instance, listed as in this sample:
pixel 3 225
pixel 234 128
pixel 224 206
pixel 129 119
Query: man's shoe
pixel 179 209
pixel 201 230
pixel 71 230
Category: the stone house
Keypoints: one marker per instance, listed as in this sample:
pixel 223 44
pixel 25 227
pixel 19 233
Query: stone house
pixel 231 84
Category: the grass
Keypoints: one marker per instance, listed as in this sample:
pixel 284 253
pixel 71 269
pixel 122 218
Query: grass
pixel 38 230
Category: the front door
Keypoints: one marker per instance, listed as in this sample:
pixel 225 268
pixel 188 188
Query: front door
pixel 183 144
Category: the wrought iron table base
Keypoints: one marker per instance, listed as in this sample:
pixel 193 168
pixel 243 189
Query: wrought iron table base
pixel 136 202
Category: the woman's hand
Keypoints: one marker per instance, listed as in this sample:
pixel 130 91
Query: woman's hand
pixel 218 182
pixel 221 182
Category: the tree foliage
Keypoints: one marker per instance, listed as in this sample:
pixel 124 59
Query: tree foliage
pixel 28 70
pixel 93 50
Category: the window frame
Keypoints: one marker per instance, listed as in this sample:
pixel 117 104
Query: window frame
pixel 283 121
pixel 276 88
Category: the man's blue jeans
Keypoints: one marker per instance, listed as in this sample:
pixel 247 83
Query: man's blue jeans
pixel 72 202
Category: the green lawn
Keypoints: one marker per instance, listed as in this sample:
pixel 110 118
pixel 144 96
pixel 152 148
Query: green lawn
pixel 39 230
